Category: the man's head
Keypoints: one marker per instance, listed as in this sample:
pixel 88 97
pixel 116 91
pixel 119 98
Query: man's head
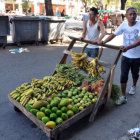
pixel 93 12
pixel 131 14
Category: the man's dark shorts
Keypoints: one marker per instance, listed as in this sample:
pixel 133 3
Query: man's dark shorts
pixel 92 52
pixel 126 65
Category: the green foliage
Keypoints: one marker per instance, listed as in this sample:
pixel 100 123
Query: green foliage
pixel 73 75
pixel 133 3
pixel 115 93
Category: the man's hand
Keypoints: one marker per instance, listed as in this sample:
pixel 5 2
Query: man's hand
pixel 94 41
pixel 81 38
pixel 124 49
pixel 100 42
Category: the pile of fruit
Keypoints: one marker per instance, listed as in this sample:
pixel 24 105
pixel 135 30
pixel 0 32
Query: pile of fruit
pixel 60 107
pixel 94 87
pixel 93 68
pixel 40 89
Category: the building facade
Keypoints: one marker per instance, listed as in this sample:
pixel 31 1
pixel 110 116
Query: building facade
pixel 71 7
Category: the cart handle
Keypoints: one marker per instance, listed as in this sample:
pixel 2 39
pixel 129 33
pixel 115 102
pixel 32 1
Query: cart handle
pixel 104 45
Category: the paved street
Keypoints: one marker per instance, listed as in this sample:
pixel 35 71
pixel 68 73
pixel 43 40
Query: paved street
pixel 110 124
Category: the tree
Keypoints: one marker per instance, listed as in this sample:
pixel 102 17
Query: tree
pixel 48 7
pixel 133 3
pixel 25 6
pixel 123 2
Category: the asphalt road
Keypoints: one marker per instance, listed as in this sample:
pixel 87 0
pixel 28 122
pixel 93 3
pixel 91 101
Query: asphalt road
pixel 15 69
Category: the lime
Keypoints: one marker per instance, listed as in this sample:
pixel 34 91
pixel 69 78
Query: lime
pixel 54 109
pixel 42 109
pixel 69 107
pixel 74 93
pixel 54 102
pixel 45 119
pixel 64 116
pixel 91 96
pixel 75 109
pixel 48 106
pixel 70 113
pixel 59 113
pixel 76 101
pixel 40 114
pixel 64 109
pixel 53 116
pixel 59 120
pixel 48 111
pixel 81 108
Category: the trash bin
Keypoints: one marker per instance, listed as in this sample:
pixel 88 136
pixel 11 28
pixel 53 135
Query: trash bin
pixel 25 29
pixel 4 30
pixel 52 29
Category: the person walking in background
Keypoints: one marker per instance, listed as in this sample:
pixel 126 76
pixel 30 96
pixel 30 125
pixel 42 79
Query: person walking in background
pixel 92 28
pixel 131 52
pixel 105 19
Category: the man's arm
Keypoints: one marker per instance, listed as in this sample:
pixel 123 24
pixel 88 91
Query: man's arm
pixel 109 38
pixel 135 44
pixel 102 31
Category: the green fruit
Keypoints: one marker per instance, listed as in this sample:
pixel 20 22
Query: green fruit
pixel 59 120
pixel 69 107
pixel 64 102
pixel 28 107
pixel 59 113
pixel 34 111
pixel 57 98
pixel 42 109
pixel 45 119
pixel 91 96
pixel 53 116
pixel 54 102
pixel 48 106
pixel 64 95
pixel 75 109
pixel 54 109
pixel 59 95
pixel 70 94
pixel 51 124
pixel 74 93
pixel 64 109
pixel 40 114
pixel 64 116
pixel 70 113
pixel 76 101
pixel 81 108
pixel 48 112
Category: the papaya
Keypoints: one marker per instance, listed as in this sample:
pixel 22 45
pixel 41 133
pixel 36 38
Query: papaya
pixel 51 124
pixel 39 104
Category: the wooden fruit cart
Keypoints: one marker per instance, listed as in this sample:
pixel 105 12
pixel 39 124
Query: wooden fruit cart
pixel 92 109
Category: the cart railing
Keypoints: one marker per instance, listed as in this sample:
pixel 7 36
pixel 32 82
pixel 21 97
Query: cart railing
pixel 109 80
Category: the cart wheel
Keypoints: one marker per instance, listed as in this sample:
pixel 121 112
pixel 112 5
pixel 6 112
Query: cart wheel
pixel 16 109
